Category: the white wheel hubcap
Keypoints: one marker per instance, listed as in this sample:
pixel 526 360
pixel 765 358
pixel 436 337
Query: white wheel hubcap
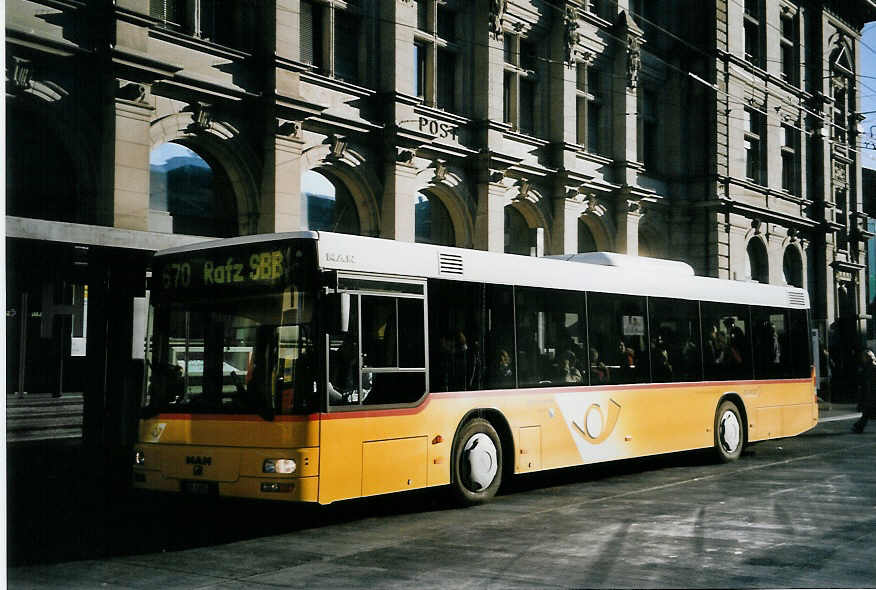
pixel 480 455
pixel 730 431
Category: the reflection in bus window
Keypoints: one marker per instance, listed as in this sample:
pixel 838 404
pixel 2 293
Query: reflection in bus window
pixel 551 337
pixel 619 335
pixel 391 366
pixel 499 337
pixel 343 359
pixel 675 340
pixel 726 344
pixel 229 356
pixel 770 334
pixel 456 361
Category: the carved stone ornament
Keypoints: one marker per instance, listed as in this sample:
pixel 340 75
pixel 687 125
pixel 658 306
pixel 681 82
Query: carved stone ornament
pixel 839 172
pixel 634 62
pixel 571 34
pixel 21 74
pixel 202 116
pixel 523 186
pixel 440 170
pixel 592 203
pixel 404 157
pixel 496 176
pixel 755 225
pixel 131 91
pixel 288 128
pixel 497 16
pixel 337 146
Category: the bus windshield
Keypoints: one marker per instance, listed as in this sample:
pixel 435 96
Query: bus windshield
pixel 241 348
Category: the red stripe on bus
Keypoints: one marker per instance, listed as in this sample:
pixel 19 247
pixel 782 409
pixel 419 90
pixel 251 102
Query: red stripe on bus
pixel 236 417
pixel 338 415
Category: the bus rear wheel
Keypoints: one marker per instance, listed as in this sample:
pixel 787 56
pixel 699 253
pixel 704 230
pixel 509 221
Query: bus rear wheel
pixel 477 462
pixel 729 432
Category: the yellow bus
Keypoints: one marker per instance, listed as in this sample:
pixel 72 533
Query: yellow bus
pixel 317 367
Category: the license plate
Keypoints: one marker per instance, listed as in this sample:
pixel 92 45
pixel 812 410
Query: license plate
pixel 199 488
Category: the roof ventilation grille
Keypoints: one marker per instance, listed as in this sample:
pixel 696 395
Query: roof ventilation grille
pixel 449 264
pixel 797 298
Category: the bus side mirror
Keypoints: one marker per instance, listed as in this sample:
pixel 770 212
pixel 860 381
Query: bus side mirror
pixel 338 310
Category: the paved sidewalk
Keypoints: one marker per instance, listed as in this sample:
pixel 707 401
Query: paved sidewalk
pixel 828 412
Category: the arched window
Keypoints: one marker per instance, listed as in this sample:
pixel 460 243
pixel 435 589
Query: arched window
pixel 432 223
pixel 189 195
pixel 519 238
pixel 792 267
pixel 327 204
pixel 756 265
pixel 586 241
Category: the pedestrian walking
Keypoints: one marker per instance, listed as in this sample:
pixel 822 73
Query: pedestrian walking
pixel 866 390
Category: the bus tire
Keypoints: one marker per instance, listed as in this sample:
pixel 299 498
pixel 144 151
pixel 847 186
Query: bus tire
pixel 477 463
pixel 729 432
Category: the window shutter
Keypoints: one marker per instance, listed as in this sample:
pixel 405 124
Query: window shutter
pixel 307 32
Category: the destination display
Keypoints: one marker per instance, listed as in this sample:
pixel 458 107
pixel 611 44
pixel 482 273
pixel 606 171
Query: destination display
pixel 235 268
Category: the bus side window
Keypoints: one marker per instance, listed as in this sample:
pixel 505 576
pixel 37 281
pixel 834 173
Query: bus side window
pixel 801 354
pixel 551 337
pixel 343 373
pixel 618 336
pixel 675 340
pixel 726 341
pixel 770 335
pixel 499 351
pixel 456 360
pixel 393 350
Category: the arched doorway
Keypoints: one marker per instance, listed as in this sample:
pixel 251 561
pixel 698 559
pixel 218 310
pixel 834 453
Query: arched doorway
pixel 327 204
pixel 756 262
pixel 189 194
pixel 432 223
pixel 792 267
pixel 519 237
pixel 586 240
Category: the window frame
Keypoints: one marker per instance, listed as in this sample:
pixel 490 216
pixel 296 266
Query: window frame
pixel 427 61
pixel 753 30
pixel 371 286
pixel 517 76
pixel 325 40
pixel 790 154
pixel 754 143
pixel 789 47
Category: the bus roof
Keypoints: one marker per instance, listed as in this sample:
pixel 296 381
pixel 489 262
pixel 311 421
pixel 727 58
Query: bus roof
pixel 600 272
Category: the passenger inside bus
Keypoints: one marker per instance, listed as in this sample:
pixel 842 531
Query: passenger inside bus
pixel 598 370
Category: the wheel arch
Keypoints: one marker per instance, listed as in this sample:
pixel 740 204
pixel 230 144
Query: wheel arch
pixel 498 420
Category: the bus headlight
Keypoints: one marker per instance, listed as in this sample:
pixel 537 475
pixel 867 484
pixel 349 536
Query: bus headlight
pixel 279 466
pixel 139 457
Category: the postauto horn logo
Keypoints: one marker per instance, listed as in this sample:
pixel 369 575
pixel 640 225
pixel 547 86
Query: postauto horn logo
pixel 597 423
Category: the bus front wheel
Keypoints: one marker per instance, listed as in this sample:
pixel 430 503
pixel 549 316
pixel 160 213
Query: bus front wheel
pixel 729 432
pixel 477 462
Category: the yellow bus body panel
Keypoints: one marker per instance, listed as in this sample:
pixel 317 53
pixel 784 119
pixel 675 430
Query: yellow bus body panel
pixel 350 454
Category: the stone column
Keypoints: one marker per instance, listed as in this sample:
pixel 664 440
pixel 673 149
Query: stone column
pixel 489 230
pixel 131 157
pixel 628 212
pixel 624 99
pixel 564 234
pixel 281 207
pixel 397 215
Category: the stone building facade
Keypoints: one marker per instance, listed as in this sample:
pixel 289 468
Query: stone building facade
pixel 723 133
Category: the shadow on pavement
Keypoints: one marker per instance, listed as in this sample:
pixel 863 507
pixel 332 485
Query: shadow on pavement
pixel 59 510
